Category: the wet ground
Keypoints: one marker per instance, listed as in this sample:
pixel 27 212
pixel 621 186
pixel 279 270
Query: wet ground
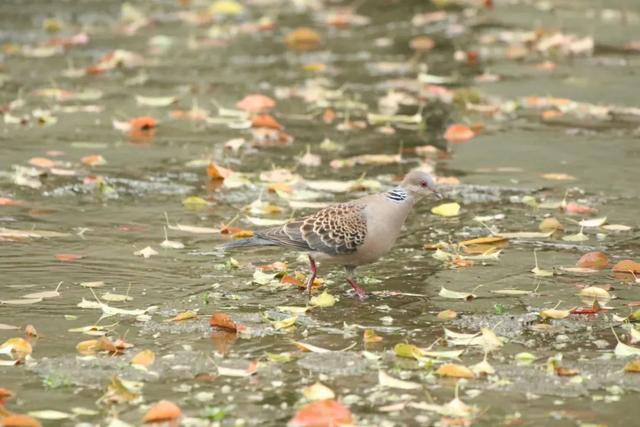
pixel 548 90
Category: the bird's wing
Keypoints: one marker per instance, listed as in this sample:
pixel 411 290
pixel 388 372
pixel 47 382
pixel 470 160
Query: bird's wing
pixel 335 230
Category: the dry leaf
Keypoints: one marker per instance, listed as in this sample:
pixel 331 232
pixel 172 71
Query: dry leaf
pixel 446 209
pixel 162 412
pixel 454 370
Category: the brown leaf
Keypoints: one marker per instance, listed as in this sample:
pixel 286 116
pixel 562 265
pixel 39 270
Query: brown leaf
pixel 30 331
pixel 256 103
pixel 457 133
pixel 594 260
pixel 627 266
pixel 224 321
pixel 633 366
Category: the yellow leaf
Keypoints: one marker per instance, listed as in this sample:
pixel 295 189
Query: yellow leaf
pixel 226 7
pixel 325 299
pixel 185 315
pixel 285 323
pixel 553 313
pixel 633 366
pixel 446 209
pixel 454 370
pixel 17 347
pixel 194 202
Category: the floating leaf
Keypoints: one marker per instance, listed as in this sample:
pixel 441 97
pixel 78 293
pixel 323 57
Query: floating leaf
pixel 50 414
pixel 554 314
pixel 633 366
pixel 224 321
pixel 310 348
pixel 146 252
pixel 409 351
pixel 550 224
pixel 595 222
pixel 457 133
pixel 627 266
pixel 303 39
pixel 594 260
pixel 325 299
pixel 145 358
pixel 318 391
pixel 327 412
pixel 537 271
pixel 162 412
pixel 19 420
pixel 446 209
pixel 445 293
pixel 447 315
pixel 386 380
pixel 455 370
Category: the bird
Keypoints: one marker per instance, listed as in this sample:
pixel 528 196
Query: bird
pixel 351 233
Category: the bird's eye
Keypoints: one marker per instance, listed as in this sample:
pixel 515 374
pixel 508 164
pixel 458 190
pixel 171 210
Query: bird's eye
pixel 424 184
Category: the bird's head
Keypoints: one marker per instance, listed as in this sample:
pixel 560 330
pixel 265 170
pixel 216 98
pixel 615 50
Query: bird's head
pixel 420 183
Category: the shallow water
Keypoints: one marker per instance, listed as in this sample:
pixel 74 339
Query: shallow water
pixel 216 63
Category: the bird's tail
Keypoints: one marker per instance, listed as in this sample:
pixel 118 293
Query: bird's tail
pixel 252 241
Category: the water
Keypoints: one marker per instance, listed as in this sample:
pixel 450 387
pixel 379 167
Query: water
pixel 151 178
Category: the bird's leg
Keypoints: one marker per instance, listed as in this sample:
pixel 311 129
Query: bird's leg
pixel 312 276
pixel 352 281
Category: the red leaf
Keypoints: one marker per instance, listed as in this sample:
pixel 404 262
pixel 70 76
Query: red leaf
pixel 265 121
pixel 322 413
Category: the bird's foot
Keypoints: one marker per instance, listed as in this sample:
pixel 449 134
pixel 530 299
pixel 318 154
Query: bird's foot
pixel 359 290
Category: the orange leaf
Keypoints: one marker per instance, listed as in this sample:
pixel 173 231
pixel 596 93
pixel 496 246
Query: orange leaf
pixel 457 133
pixel 142 123
pixel 93 160
pixel 144 358
pixel 5 394
pixel 303 38
pixel 627 266
pixel 19 420
pixel 42 162
pixel 215 171
pixel 370 336
pixel 256 103
pixel 5 201
pixel 290 280
pixel 566 372
pixel 224 321
pixel 322 413
pixel 68 257
pixel 163 411
pixel 594 260
pixel 265 121
pixel 328 116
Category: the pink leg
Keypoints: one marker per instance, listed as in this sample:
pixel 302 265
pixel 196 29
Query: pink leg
pixel 313 273
pixel 356 287
pixel 359 290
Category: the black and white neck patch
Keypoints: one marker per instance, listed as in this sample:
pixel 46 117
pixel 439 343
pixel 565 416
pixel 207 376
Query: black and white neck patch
pixel 397 195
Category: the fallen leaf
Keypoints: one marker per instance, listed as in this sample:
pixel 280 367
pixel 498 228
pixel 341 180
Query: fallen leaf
pixel 370 336
pixel 322 413
pixel 446 209
pixel 325 299
pixel 454 370
pixel 162 412
pixel 553 313
pixel 445 293
pixel 457 133
pixel 146 252
pixel 224 321
pixel 93 160
pixel 447 315
pixel 310 348
pixel 386 380
pixel 19 420
pixel 185 315
pixel 627 266
pixel 595 222
pixel 50 414
pixel 633 366
pixel 550 224
pixel 303 39
pixel 30 331
pixel 144 358
pixel 318 391
pixel 594 260
pixel 18 348
pixel 256 103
